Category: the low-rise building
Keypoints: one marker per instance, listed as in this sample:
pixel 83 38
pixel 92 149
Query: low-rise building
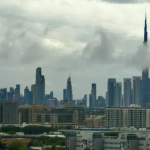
pixel 56 117
pixel 26 113
pixel 104 139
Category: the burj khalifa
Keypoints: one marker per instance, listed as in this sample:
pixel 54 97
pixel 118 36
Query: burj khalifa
pixel 145 72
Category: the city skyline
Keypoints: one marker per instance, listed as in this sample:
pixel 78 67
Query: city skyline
pixel 68 43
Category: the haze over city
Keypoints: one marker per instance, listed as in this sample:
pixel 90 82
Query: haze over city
pixel 102 42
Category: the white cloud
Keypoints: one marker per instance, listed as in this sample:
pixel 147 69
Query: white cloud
pixel 58 36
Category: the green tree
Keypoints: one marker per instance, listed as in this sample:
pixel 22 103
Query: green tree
pixel 87 148
pixel 37 129
pixel 53 147
pixel 47 148
pixel 15 145
pixel 2 146
pixel 12 132
pixel 23 148
pixel 11 128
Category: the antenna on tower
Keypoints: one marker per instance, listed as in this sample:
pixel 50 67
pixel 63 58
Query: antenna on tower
pixel 145 13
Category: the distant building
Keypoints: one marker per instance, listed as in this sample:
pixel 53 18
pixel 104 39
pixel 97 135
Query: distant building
pixel 40 87
pixel 137 88
pixel 3 94
pixel 56 117
pixel 17 93
pixel 90 101
pixel 127 117
pixel 26 113
pixel 69 90
pixel 53 102
pixel 145 73
pixel 85 100
pixel 28 96
pixel 118 94
pixel 64 95
pixel 93 94
pixel 111 92
pixel 9 112
pixel 33 89
pixel 64 116
pixel 101 101
pixel 10 95
pixel 127 92
pixel 51 94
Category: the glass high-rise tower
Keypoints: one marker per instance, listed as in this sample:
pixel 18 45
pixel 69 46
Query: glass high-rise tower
pixel 145 72
pixel 69 94
pixel 40 87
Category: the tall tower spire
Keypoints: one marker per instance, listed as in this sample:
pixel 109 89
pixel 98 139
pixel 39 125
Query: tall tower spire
pixel 145 29
pixel 145 72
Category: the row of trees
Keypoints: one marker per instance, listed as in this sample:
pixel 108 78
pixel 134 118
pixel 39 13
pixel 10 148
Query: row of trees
pixel 46 141
pixel 55 143
pixel 31 129
pixel 13 146
pixel 27 129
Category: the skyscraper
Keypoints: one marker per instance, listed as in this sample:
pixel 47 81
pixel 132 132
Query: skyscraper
pixel 40 87
pixel 93 93
pixel 127 92
pixel 17 93
pixel 64 95
pixel 90 101
pixel 145 72
pixel 111 92
pixel 33 89
pixel 3 94
pixel 51 95
pixel 69 90
pixel 28 96
pixel 118 94
pixel 137 90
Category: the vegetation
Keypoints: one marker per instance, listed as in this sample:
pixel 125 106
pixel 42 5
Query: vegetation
pixel 43 141
pixel 16 146
pixel 56 143
pixel 87 148
pixel 37 129
pixel 27 129
pixel 12 132
pixel 31 129
pixel 2 146
pixel 55 148
pixel 7 129
pixel 111 134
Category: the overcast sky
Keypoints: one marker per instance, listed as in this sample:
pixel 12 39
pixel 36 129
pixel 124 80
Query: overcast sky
pixel 92 40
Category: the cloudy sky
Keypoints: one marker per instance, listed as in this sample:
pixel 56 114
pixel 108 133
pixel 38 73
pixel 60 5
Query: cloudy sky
pixel 92 40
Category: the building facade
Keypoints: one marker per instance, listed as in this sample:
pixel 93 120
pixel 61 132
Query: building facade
pixel 127 117
pixel 40 87
pixel 137 90
pixel 127 92
pixel 118 94
pixel 26 113
pixel 111 92
pixel 9 113
pixel 104 139
pixel 93 94
pixel 69 94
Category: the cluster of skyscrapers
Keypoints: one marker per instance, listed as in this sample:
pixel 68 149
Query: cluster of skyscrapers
pixel 135 90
